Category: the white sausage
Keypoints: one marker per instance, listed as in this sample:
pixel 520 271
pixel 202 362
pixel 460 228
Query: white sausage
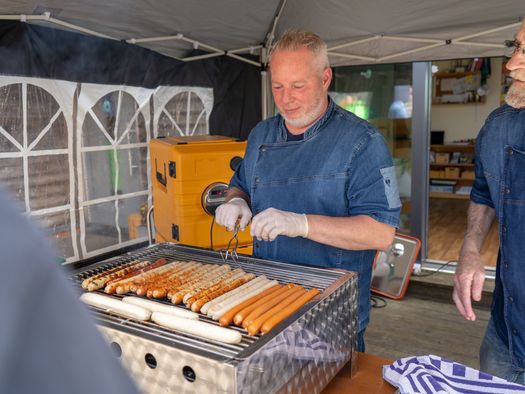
pixel 198 328
pixel 115 306
pixel 229 294
pixel 155 306
pixel 225 306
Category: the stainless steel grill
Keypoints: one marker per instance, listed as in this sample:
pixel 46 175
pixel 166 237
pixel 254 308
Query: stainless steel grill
pixel 258 364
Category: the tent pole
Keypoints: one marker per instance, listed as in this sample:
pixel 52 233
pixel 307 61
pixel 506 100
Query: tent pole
pixel 264 85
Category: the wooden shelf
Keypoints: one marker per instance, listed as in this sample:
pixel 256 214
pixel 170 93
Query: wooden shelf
pixel 467 165
pixel 448 178
pixel 452 148
pixel 452 196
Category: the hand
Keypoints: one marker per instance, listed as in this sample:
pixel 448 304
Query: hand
pixel 228 213
pixel 468 283
pixel 272 222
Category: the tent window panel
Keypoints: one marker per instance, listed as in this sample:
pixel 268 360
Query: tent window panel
pixel 101 231
pixel 12 178
pixel 57 228
pixel 48 181
pixel 184 114
pixel 100 174
pixel 56 137
pixel 11 119
pixel 133 170
pixel 132 217
pixel 92 135
pixel 115 171
pixel 42 108
pixel 131 127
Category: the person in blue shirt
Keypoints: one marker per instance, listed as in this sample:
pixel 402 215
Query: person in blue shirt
pixel 49 343
pixel 319 181
pixel 499 193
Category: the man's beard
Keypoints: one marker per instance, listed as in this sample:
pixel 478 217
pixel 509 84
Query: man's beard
pixel 310 116
pixel 516 95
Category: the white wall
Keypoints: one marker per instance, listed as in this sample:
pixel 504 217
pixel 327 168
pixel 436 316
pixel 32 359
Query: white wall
pixel 463 121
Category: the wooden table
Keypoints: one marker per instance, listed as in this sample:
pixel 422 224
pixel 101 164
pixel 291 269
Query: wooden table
pixel 368 378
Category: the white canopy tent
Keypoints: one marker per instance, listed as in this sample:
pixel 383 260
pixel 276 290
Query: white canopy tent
pixel 357 32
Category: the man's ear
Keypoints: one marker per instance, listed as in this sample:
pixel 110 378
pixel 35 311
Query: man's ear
pixel 327 77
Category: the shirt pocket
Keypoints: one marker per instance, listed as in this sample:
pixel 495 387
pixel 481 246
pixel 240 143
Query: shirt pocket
pixel 514 186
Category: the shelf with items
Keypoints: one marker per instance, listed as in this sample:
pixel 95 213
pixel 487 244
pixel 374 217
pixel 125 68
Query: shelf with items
pixel 453 88
pixel 452 196
pixel 451 170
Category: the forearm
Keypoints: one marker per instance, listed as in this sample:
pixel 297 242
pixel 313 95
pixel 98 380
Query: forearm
pixel 233 192
pixel 480 218
pixel 352 233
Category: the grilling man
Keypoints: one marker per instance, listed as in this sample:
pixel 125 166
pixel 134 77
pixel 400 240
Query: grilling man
pixel 318 180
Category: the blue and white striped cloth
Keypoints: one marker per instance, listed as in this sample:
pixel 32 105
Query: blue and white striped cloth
pixel 433 374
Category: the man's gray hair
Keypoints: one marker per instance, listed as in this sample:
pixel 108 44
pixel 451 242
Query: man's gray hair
pixel 293 40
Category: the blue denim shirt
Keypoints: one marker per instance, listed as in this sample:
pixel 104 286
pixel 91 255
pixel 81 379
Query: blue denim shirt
pixel 500 184
pixel 341 168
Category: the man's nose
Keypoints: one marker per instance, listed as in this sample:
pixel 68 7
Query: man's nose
pixel 288 95
pixel 516 61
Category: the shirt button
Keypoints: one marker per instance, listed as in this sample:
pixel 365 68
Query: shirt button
pixel 504 229
pixel 507 191
pixel 510 151
pixel 506 266
pixel 256 179
pixel 515 332
pixel 257 245
pixel 511 300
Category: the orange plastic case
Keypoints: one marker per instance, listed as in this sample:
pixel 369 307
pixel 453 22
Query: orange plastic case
pixel 183 170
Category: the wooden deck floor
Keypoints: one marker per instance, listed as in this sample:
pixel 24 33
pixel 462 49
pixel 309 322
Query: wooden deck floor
pixel 447 222
pixel 426 325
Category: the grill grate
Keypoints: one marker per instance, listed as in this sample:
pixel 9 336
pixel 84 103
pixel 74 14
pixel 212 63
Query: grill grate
pixel 308 277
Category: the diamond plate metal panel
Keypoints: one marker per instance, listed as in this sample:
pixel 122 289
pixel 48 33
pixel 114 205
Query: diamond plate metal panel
pixel 167 376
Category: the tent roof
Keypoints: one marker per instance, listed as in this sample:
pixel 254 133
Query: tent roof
pixel 357 32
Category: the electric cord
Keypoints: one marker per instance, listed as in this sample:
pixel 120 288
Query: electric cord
pixel 439 269
pixel 377 302
pixel 211 231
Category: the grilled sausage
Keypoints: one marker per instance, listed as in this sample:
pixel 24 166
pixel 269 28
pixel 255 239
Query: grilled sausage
pixel 198 328
pixel 242 314
pixel 112 285
pixel 155 306
pixel 269 304
pixel 197 304
pixel 221 308
pixel 115 306
pixel 227 318
pixel 238 290
pixel 256 324
pixel 285 312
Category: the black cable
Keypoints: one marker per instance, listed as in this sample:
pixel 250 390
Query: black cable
pixel 377 302
pixel 211 231
pixel 439 269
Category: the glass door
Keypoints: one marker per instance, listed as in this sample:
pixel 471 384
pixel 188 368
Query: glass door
pixel 382 95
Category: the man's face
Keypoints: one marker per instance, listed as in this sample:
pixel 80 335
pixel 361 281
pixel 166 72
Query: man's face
pixel 516 65
pixel 299 87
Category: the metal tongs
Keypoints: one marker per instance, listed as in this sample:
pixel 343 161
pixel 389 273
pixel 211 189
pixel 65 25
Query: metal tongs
pixel 231 248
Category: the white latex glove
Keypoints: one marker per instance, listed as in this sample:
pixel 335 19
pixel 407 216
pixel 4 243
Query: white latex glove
pixel 272 222
pixel 228 213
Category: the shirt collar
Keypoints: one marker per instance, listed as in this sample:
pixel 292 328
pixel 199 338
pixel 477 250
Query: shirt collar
pixel 313 129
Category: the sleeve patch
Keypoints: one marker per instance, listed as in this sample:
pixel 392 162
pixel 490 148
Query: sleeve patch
pixel 390 184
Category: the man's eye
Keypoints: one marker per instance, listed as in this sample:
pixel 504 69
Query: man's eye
pixel 298 86
pixel 277 87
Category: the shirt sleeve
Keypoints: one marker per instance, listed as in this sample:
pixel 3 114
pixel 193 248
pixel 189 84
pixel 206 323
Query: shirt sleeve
pixel 372 189
pixel 238 179
pixel 480 193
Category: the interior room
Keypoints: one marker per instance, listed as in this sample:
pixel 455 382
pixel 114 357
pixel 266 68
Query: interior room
pixel 465 92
